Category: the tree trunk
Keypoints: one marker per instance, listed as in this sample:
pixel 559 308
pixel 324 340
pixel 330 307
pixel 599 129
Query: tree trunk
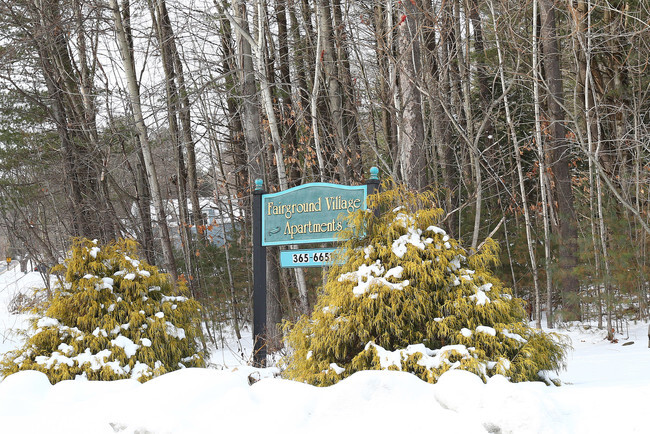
pixel 411 140
pixel 182 108
pixel 144 208
pixel 385 53
pixel 333 89
pixel 167 45
pixel 250 104
pixel 287 108
pixel 351 141
pixel 273 300
pixel 541 157
pixel 134 94
pixel 70 90
pixel 449 160
pixel 568 245
pixel 522 190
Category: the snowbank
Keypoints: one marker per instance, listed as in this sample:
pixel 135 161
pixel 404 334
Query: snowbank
pixel 207 400
pixel 605 391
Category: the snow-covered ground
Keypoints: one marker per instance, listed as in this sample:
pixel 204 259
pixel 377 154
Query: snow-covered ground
pixel 604 391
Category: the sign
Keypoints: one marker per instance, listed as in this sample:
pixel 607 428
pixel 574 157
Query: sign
pixel 306 258
pixel 310 213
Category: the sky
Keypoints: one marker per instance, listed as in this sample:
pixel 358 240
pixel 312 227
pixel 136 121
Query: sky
pixel 605 390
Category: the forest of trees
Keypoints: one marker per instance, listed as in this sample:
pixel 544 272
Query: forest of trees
pixel 528 120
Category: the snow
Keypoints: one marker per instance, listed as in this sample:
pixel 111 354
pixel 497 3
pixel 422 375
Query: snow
pixel 487 330
pixel 174 331
pixel 514 336
pixel 127 344
pixel 99 331
pixel 336 368
pixel 96 360
pixel 107 283
pixel 437 230
pixel 605 389
pixel 413 237
pixel 430 358
pixel 47 322
pixel 364 277
pixel 480 298
pixel 93 251
pixel 395 272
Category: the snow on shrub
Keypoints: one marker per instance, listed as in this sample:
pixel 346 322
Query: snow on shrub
pixel 408 297
pixel 112 316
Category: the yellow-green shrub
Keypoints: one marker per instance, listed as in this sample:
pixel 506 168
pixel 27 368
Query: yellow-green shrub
pixel 112 316
pixel 408 297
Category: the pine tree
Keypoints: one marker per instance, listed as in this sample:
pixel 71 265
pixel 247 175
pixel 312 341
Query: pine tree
pixel 408 297
pixel 112 316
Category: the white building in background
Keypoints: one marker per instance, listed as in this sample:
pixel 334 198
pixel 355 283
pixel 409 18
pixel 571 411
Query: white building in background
pixel 221 219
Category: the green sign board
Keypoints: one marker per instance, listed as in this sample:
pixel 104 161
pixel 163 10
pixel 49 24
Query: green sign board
pixel 310 213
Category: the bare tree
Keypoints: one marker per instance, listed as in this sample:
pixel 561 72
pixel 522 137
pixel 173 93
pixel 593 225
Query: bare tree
pixel 560 152
pixel 411 146
pixel 121 33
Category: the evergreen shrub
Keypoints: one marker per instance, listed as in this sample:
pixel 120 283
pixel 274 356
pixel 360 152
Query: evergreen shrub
pixel 406 296
pixel 112 316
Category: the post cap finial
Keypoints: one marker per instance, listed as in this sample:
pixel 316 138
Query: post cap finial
pixel 374 173
pixel 259 184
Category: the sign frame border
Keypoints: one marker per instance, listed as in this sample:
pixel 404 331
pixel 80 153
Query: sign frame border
pixel 364 206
